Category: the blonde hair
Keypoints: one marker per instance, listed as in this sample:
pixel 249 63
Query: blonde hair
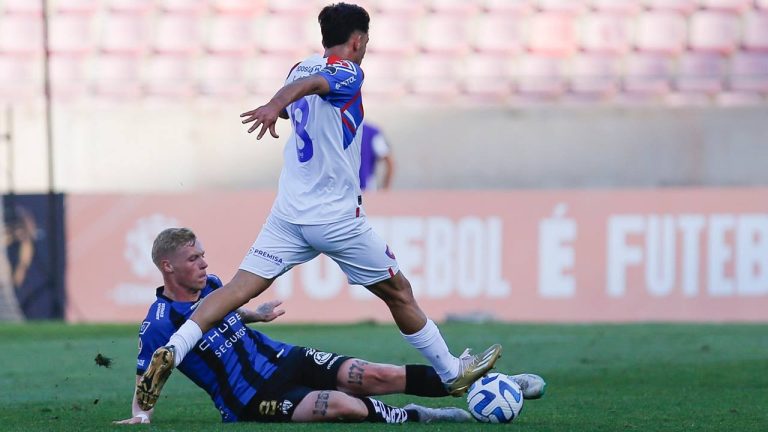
pixel 169 241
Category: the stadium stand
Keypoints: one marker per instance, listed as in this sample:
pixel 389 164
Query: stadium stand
pixel 481 51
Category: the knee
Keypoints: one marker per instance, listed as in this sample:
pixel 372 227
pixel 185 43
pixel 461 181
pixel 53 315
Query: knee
pixel 347 408
pixel 381 376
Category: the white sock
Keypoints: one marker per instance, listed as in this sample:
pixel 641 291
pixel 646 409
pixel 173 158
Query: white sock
pixel 184 340
pixel 432 346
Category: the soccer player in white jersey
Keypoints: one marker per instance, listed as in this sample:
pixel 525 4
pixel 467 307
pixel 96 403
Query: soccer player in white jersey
pixel 319 209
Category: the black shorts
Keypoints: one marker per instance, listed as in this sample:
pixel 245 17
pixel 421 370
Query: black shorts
pixel 303 370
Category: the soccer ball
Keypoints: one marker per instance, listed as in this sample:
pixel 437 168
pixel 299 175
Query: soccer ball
pixel 495 398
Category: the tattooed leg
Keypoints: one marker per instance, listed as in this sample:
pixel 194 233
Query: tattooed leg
pixel 362 378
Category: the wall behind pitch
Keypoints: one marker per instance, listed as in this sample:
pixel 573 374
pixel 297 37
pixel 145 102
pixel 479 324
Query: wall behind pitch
pixel 184 148
pixel 566 255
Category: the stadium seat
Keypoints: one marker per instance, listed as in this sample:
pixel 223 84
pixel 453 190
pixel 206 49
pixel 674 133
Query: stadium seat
pixel 176 33
pixel 384 76
pixel 123 33
pixel 241 7
pixel 20 77
pixel 285 34
pixel 75 6
pixel 647 74
pixel 699 73
pixel 551 34
pixel 506 6
pixel 688 99
pixel 130 6
pixel 229 34
pixel 497 33
pixel 456 7
pixel 168 76
pixel 71 33
pixel 408 8
pixel 748 72
pixel 713 31
pixel 660 32
pixel 393 34
pixel 432 75
pixel 22 7
pixel 572 7
pixel 295 7
pixel 730 99
pixel 595 75
pixel 221 75
pixel 616 6
pixel 539 76
pixel 67 76
pixel 726 5
pixel 115 75
pixel 181 6
pixel 755 31
pixel 266 73
pixel 443 34
pixel 486 77
pixel 604 33
pixel 21 34
pixel 681 6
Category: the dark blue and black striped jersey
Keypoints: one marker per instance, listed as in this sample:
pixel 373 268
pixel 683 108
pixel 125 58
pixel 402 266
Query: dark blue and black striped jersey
pixel 231 362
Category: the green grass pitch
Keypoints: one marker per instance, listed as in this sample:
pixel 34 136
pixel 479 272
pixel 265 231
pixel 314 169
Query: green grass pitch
pixel 649 377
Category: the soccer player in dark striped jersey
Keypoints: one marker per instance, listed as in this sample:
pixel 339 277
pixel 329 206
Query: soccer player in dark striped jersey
pixel 251 377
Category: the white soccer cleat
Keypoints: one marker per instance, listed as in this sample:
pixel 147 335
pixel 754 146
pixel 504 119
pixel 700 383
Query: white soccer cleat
pixel 445 415
pixel 533 386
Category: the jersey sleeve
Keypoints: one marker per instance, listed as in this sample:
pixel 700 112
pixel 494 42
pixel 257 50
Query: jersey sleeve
pixel 214 281
pixel 345 79
pixel 152 335
pixel 380 146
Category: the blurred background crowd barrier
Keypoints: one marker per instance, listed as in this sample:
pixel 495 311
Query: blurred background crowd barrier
pixel 572 256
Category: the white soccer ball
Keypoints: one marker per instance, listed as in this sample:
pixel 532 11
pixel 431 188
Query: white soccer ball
pixel 495 398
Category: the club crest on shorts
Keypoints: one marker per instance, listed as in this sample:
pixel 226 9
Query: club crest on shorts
pixel 389 253
pixel 322 358
pixel 286 406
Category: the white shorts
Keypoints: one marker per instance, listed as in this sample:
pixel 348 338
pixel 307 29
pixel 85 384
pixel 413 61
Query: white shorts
pixel 362 255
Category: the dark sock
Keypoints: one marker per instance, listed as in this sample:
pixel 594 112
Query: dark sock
pixel 379 412
pixel 422 380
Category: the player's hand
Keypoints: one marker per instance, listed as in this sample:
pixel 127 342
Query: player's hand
pixel 133 420
pixel 266 312
pixel 264 116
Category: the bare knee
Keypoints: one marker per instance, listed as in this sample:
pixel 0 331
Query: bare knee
pixel 328 406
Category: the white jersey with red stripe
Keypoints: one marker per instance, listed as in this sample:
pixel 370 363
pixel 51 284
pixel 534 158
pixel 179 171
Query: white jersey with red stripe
pixel 319 183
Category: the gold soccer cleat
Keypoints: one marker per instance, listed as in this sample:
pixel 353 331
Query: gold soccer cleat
pixel 471 368
pixel 153 379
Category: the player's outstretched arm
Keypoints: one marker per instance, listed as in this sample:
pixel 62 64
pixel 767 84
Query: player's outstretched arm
pixel 266 115
pixel 139 416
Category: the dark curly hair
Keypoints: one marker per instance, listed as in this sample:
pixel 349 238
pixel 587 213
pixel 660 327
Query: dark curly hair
pixel 338 21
